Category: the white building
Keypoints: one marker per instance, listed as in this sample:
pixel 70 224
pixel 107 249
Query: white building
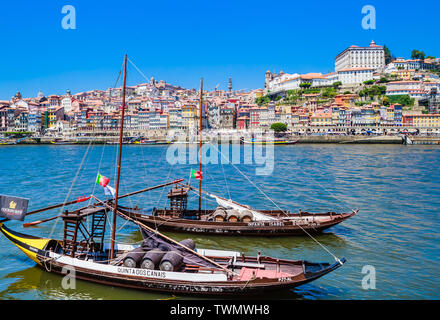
pixel 372 57
pixel 414 64
pixel 350 76
pixel 415 89
pixel 66 103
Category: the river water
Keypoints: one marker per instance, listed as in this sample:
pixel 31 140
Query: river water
pixel 396 232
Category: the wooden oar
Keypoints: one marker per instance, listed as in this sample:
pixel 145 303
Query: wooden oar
pixel 82 199
pixel 30 224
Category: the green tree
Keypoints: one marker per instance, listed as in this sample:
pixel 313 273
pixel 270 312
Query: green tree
pixel 278 127
pixel 388 56
pixel 262 100
pixel 329 92
pixel 337 84
pixel 367 82
pixel 416 54
pixel 305 85
pixel 402 99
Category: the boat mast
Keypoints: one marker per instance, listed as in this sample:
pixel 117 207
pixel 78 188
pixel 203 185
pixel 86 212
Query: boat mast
pixel 200 146
pixel 121 131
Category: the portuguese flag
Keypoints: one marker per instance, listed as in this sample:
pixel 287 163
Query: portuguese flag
pixel 196 174
pixel 102 181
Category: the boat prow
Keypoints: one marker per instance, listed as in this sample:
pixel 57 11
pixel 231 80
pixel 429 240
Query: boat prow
pixel 30 245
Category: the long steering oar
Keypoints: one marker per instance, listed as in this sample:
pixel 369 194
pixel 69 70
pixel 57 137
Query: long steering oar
pixel 34 223
pixel 82 199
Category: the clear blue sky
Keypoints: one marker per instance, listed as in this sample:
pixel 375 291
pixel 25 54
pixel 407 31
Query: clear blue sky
pixel 180 41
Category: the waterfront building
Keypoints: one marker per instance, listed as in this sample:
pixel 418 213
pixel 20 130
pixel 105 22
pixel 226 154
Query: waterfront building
pixel 227 118
pixel 143 120
pixel 421 120
pixel 189 114
pixel 294 120
pixel 321 119
pixel 304 119
pixel 175 118
pixel 243 123
pixel 254 117
pixel 213 116
pixel 371 57
pixel 34 121
pixel 397 114
pixel 51 115
pixel 21 120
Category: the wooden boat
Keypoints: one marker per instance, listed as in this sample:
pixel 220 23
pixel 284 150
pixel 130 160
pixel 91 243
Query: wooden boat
pixel 62 142
pixel 282 224
pixel 270 141
pixel 152 142
pixel 204 272
pixel 159 263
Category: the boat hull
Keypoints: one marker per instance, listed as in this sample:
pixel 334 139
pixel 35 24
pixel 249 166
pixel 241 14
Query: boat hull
pixel 311 223
pixel 163 281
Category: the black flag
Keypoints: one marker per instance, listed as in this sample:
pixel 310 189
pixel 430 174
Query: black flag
pixel 13 207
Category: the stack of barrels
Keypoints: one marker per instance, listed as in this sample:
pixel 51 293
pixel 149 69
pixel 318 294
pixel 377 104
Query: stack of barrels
pixel 157 256
pixel 221 214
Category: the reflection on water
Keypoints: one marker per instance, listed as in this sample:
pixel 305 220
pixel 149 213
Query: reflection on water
pixel 396 230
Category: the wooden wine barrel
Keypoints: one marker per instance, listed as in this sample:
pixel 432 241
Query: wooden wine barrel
pixel 188 243
pixel 246 216
pixel 171 261
pixel 152 258
pixel 220 214
pixel 232 215
pixel 133 258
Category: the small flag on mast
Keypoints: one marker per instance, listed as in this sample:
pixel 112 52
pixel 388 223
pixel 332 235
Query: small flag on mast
pixel 196 174
pixel 103 182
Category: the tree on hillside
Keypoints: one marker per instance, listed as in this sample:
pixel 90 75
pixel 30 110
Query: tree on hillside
pixel 305 85
pixel 278 127
pixel 416 54
pixel 262 100
pixel 388 56
pixel 337 84
pixel 329 92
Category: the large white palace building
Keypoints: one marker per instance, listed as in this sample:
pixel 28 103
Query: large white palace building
pixel 372 57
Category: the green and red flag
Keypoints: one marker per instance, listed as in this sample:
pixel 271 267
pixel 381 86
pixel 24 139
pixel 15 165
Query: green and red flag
pixel 196 174
pixel 102 181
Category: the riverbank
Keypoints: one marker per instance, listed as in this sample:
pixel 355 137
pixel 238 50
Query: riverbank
pixel 305 139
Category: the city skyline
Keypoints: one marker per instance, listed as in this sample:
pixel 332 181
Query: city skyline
pixel 180 43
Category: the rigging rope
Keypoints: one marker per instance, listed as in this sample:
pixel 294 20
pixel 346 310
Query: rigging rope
pixel 270 199
pixel 71 187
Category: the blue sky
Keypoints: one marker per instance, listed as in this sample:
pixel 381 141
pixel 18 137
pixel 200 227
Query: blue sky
pixel 180 41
